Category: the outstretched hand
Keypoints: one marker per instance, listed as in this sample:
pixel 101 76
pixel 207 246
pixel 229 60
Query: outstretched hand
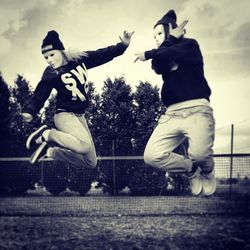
pixel 178 31
pixel 126 38
pixel 140 56
pixel 27 117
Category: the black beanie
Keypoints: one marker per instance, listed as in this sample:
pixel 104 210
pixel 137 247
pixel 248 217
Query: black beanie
pixel 51 42
pixel 169 17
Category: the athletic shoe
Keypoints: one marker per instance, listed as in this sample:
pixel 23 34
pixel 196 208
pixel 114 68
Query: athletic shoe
pixel 39 153
pixel 36 137
pixel 195 182
pixel 208 183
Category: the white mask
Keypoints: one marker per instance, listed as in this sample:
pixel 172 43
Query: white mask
pixel 159 35
pixel 54 58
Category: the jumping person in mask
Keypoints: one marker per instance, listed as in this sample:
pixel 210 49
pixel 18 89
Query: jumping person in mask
pixel 67 73
pixel 185 93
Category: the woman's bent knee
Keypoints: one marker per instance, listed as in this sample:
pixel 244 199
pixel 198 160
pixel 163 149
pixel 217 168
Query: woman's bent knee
pixel 83 147
pixel 151 159
pixel 94 163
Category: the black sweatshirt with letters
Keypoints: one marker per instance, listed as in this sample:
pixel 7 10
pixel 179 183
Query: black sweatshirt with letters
pixel 70 81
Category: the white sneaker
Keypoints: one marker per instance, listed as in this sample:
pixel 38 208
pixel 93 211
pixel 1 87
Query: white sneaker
pixel 196 182
pixel 40 152
pixel 208 183
pixel 36 137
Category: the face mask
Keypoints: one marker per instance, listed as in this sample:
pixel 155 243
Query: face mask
pixel 159 34
pixel 54 58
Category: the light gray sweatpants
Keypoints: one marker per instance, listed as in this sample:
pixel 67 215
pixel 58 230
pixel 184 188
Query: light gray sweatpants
pixel 195 123
pixel 73 135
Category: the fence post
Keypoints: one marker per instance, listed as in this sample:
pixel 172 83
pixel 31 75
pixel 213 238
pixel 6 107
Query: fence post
pixel 113 165
pixel 231 160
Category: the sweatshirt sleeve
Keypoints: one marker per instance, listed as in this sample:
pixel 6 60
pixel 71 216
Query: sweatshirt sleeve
pixel 41 94
pixel 104 55
pixel 184 50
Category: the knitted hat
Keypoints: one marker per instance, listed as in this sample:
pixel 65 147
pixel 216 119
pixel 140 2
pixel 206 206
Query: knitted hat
pixel 51 42
pixel 169 17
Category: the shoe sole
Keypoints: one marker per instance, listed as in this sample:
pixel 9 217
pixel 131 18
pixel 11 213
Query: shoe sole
pixel 36 154
pixel 197 193
pixel 211 192
pixel 33 135
pixel 200 188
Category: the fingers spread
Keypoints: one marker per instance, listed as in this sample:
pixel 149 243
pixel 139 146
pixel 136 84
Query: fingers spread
pixel 183 24
pixel 136 59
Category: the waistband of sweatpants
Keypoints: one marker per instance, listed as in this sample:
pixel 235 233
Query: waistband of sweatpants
pixel 189 111
pixel 58 111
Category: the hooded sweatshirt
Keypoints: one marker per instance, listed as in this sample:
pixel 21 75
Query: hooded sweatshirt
pixel 180 63
pixel 70 81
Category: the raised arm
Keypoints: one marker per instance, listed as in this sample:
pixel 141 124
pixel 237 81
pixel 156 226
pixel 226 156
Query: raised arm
pixel 104 55
pixel 180 50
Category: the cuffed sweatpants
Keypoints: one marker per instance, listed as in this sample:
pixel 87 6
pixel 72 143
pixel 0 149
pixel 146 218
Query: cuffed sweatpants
pixel 74 138
pixel 195 123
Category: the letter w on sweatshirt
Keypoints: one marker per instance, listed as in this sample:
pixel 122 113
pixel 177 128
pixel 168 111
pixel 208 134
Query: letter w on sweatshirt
pixel 70 83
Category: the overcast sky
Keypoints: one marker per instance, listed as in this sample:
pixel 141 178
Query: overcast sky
pixel 221 27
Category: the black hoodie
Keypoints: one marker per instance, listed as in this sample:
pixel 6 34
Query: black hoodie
pixel 71 81
pixel 180 63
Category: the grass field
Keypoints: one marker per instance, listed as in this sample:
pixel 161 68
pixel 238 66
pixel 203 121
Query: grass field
pixel 42 221
pixel 126 232
pixel 39 220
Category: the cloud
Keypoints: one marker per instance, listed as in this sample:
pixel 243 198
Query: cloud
pixel 241 37
pixel 222 29
pixel 5 46
pixel 90 24
pixel 241 138
pixel 214 22
pixel 23 26
pixel 241 144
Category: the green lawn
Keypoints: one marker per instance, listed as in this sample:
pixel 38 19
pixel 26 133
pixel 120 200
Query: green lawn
pixel 126 232
pixel 39 220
